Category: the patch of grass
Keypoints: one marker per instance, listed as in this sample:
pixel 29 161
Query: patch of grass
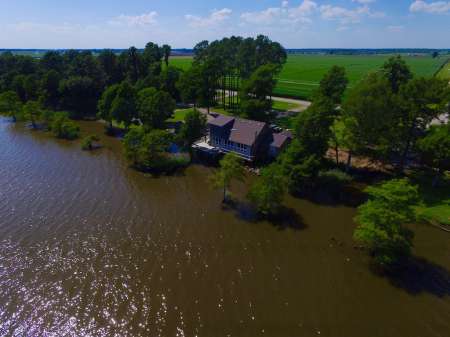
pixel 284 106
pixel 435 204
pixel 222 111
pixel 179 115
pixel 285 122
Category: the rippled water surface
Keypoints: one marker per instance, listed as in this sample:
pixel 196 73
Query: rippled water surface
pixel 88 247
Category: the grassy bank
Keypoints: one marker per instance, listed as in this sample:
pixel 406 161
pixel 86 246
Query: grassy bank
pixel 435 203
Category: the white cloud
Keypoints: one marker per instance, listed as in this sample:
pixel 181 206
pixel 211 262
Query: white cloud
pixel 436 7
pixel 135 21
pixel 267 16
pixel 306 8
pixel 282 15
pixel 395 29
pixel 216 17
pixel 364 2
pixel 347 16
pixel 343 15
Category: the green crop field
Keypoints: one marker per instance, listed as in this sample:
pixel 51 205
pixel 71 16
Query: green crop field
pixel 445 71
pixel 302 73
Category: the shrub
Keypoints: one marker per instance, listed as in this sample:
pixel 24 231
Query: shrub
pixel 62 127
pixel 334 178
pixel 382 222
pixel 268 191
pixel 88 142
pixel 148 151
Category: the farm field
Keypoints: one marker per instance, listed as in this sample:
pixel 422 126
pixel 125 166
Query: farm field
pixel 302 73
pixel 445 71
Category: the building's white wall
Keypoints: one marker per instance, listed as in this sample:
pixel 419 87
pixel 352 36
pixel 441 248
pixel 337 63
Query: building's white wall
pixel 231 146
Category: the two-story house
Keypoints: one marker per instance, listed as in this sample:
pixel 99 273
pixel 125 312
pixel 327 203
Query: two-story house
pixel 248 139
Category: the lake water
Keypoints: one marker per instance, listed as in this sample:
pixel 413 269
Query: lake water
pixel 89 247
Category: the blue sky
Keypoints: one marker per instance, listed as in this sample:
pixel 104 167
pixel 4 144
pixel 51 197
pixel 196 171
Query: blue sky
pixel 295 23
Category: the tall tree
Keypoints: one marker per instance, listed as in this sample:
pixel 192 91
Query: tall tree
pixel 105 104
pixel 50 89
pixel 154 107
pixel 256 92
pixel 166 50
pixel 420 101
pixel 369 114
pixel 133 64
pixel 397 72
pixel 10 104
pixel 230 169
pixel 268 191
pixel 53 60
pixel 79 96
pixel 313 126
pixel 168 81
pixel 151 59
pixel 110 66
pixel 189 85
pixel 123 108
pixel 194 127
pixel 147 150
pixel 334 84
pixel 434 149
pixel 32 111
pixel 208 79
pixel 382 222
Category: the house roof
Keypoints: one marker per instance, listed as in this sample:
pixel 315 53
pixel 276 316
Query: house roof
pixel 221 120
pixel 279 139
pixel 245 131
pixel 242 131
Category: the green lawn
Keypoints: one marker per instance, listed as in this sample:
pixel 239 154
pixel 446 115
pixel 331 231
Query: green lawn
pixel 302 73
pixel 179 115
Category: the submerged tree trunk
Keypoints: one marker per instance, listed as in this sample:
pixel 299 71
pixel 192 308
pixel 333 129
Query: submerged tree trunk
pixel 336 149
pixel 33 123
pixel 349 161
pixel 436 178
pixel 224 91
pixel 408 144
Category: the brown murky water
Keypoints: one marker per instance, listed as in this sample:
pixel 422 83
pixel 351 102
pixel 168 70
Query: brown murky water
pixel 89 247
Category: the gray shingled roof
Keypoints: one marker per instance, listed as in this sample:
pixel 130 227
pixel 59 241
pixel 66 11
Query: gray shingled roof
pixel 279 139
pixel 246 131
pixel 243 131
pixel 221 120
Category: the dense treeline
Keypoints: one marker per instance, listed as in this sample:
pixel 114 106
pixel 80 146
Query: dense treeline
pixel 74 80
pixel 236 73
